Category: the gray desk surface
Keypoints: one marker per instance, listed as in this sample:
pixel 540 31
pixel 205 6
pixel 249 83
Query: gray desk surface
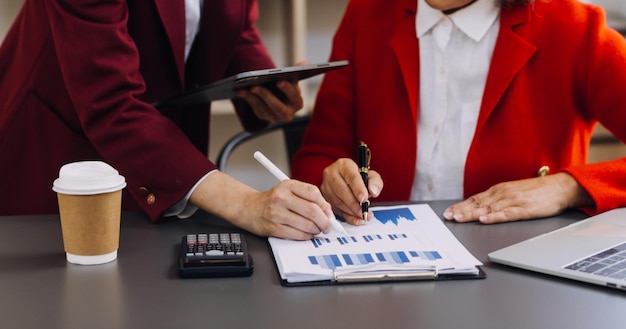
pixel 38 289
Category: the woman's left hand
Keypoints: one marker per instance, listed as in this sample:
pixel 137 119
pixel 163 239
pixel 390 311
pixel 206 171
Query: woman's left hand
pixel 523 199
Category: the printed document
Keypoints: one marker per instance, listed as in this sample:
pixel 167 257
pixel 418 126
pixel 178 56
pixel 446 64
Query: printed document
pixel 403 240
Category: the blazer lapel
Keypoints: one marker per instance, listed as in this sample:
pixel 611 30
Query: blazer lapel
pixel 172 14
pixel 405 45
pixel 510 55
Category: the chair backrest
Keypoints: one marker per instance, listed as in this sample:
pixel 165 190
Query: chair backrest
pixel 292 134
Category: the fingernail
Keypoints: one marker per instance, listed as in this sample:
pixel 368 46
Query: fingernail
pixel 482 218
pixel 363 198
pixel 375 191
pixel 458 217
pixel 447 215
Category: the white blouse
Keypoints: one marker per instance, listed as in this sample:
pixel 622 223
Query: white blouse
pixel 455 54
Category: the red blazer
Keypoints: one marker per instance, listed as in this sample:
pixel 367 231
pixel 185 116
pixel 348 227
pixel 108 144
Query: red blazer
pixel 556 71
pixel 76 82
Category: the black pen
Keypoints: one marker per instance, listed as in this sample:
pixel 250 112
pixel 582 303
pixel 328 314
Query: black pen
pixel 364 166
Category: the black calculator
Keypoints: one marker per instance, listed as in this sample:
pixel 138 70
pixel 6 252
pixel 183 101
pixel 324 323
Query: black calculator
pixel 207 255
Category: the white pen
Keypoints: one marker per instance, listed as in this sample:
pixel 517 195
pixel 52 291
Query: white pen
pixel 280 175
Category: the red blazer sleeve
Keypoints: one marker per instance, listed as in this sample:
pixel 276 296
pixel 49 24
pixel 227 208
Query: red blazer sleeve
pixel 100 67
pixel 603 82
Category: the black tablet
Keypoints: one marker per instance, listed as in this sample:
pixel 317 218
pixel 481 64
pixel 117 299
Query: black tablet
pixel 227 88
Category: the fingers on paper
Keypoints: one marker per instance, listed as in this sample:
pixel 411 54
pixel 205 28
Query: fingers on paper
pixel 309 210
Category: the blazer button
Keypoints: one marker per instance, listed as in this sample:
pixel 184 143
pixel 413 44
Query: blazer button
pixel 543 171
pixel 150 197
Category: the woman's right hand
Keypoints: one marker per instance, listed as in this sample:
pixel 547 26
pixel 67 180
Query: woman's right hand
pixel 344 188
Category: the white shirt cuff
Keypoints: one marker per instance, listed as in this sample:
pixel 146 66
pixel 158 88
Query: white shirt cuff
pixel 183 209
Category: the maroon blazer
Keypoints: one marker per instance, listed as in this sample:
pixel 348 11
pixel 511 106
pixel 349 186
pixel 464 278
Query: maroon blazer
pixel 76 82
pixel 556 71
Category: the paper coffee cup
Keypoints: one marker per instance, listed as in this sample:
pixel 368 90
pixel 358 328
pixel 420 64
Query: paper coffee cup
pixel 90 199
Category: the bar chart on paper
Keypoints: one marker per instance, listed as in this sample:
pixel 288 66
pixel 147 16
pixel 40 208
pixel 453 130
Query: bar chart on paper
pixel 334 261
pixel 318 242
pixel 386 216
pixel 409 236
pixel 394 215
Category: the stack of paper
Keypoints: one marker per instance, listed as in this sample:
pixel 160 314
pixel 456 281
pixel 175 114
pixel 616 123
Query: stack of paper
pixel 401 243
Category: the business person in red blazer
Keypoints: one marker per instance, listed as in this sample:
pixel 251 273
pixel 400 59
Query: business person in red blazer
pixel 77 78
pixel 553 71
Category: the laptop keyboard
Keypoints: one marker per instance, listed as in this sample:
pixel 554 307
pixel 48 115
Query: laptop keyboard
pixel 608 263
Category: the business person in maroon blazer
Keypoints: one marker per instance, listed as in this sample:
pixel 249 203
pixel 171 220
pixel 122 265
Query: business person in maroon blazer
pixel 76 82
pixel 555 71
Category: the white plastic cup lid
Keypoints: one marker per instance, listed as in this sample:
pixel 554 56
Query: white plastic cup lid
pixel 88 177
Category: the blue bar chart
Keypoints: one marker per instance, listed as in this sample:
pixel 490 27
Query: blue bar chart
pixel 333 261
pixel 394 215
pixel 342 240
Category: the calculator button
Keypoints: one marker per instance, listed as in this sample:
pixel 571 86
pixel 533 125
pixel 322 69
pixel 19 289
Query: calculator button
pixel 214 253
pixel 225 238
pixel 200 250
pixel 191 245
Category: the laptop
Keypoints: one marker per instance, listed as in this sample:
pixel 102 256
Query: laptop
pixel 227 88
pixel 591 250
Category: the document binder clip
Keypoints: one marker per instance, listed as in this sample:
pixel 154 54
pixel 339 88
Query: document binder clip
pixel 384 272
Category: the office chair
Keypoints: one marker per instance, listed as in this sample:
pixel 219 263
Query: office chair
pixel 292 134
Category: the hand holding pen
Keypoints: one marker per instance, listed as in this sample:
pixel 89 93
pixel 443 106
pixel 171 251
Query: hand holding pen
pixel 348 189
pixel 272 168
